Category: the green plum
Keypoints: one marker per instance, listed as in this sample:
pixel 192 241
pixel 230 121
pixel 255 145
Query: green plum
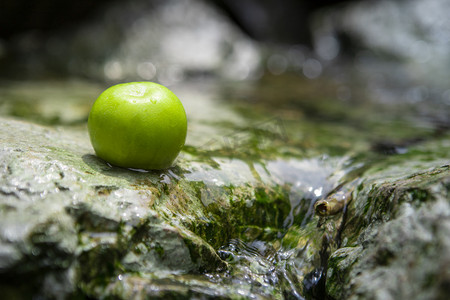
pixel 139 125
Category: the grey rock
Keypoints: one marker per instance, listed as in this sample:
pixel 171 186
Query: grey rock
pixel 397 238
pixel 59 214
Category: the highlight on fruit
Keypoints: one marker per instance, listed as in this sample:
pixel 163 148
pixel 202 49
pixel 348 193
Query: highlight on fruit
pixel 139 125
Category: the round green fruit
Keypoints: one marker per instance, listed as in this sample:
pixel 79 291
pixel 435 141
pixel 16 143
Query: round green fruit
pixel 139 125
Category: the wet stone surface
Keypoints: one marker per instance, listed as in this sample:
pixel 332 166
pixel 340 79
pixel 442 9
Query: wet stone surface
pixel 234 218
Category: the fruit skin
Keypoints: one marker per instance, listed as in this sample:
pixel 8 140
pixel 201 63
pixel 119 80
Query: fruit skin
pixel 138 125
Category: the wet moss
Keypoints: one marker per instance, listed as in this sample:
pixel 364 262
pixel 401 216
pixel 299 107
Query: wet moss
pixel 98 265
pixel 339 267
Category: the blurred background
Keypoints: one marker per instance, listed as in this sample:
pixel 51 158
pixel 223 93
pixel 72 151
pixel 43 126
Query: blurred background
pixel 396 50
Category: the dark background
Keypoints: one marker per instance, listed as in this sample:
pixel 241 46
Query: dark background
pixel 275 21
